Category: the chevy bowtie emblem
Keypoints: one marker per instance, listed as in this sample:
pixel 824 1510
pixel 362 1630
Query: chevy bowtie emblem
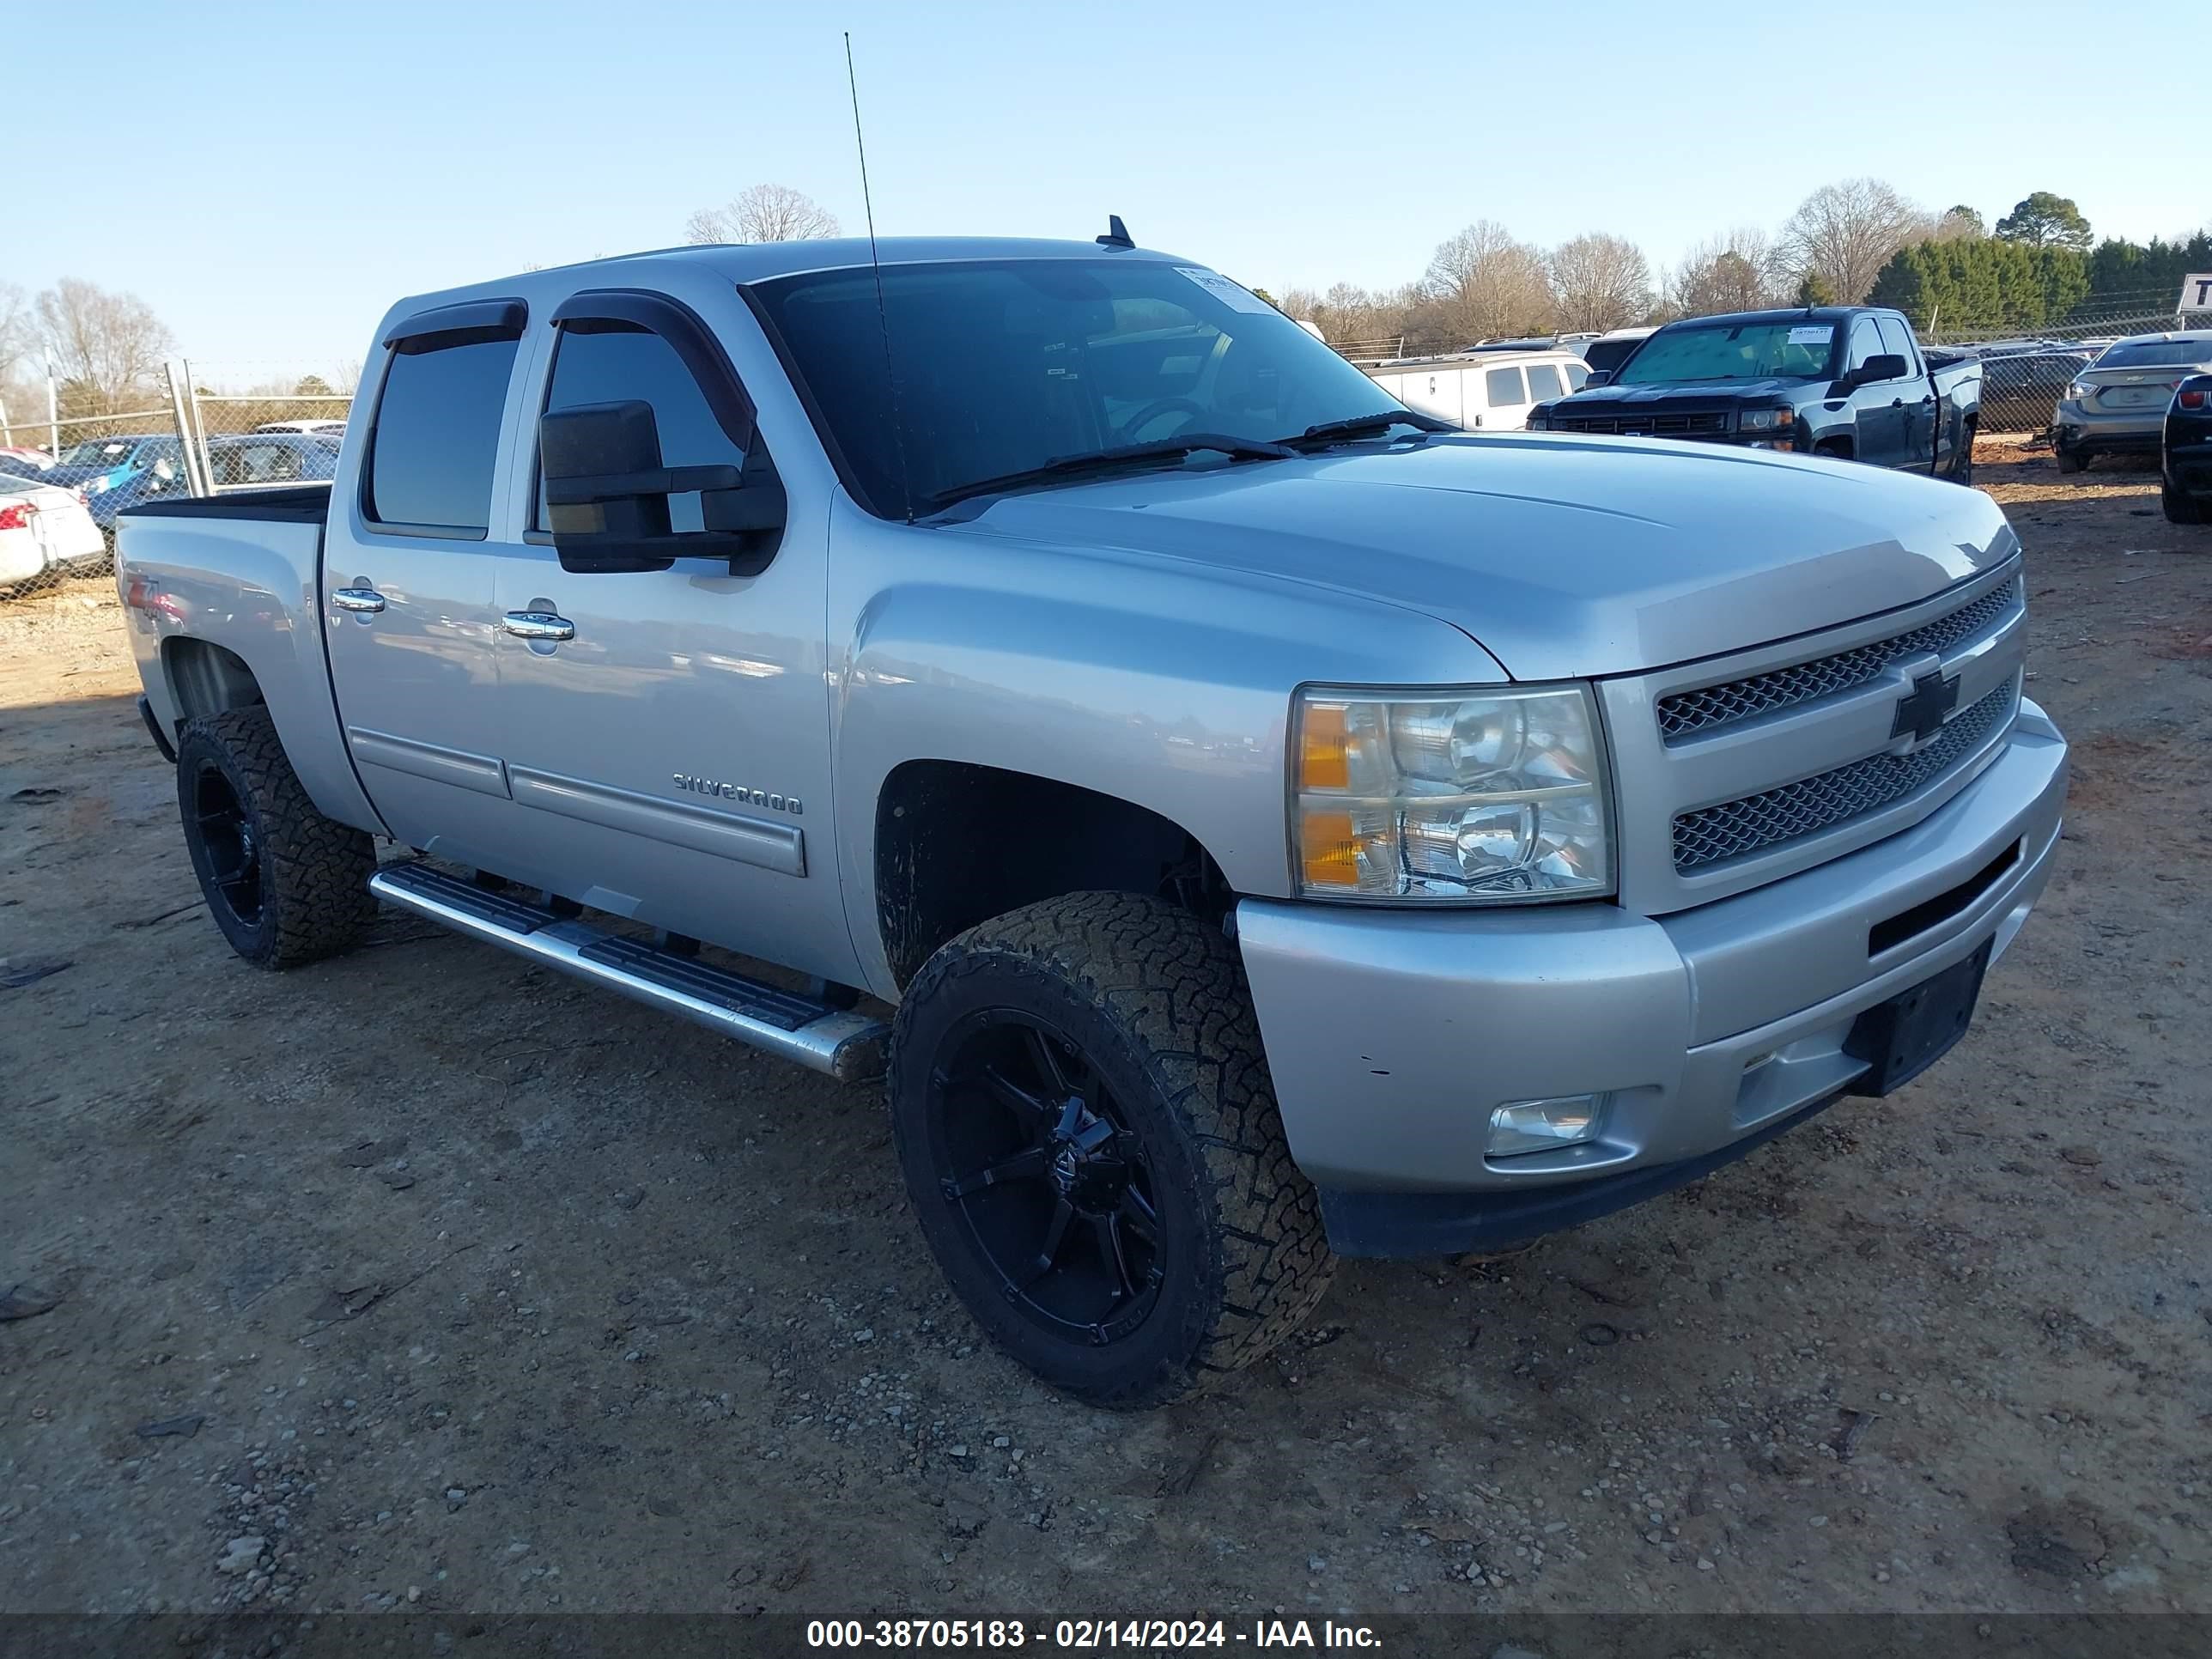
pixel 1920 714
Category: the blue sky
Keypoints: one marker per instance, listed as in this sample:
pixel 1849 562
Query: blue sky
pixel 270 177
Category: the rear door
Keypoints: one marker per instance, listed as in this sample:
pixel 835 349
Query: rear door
pixel 408 568
pixel 1505 399
pixel 1549 380
pixel 667 732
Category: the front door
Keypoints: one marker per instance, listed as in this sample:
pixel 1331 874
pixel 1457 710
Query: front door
pixel 1878 414
pixel 409 571
pixel 666 732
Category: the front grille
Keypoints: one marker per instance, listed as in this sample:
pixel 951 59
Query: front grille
pixel 1736 827
pixel 1644 426
pixel 1687 712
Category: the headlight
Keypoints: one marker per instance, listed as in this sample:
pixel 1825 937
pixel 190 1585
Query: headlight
pixel 2080 391
pixel 1540 419
pixel 1494 796
pixel 1766 420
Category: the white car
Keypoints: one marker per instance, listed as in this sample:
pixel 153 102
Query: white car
pixel 1481 391
pixel 43 528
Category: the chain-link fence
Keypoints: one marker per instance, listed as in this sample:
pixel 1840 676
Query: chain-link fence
pixel 202 429
pixel 2026 372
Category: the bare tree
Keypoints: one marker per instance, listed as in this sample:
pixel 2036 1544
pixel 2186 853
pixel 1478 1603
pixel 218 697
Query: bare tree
pixel 1846 233
pixel 1600 282
pixel 765 213
pixel 1483 284
pixel 1740 270
pixel 105 347
pixel 19 331
pixel 1368 323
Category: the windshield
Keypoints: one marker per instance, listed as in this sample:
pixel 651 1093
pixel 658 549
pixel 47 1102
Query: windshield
pixel 1004 366
pixel 1732 351
pixel 2156 354
pixel 99 452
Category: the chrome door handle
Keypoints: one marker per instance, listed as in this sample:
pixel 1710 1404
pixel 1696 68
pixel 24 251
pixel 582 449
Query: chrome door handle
pixel 357 598
pixel 537 625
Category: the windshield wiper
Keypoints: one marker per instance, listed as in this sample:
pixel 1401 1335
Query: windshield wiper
pixel 1179 447
pixel 1330 432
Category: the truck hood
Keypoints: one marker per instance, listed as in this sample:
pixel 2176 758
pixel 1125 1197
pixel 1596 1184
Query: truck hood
pixel 1713 394
pixel 1563 557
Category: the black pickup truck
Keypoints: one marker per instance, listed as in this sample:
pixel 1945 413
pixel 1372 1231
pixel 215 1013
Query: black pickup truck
pixel 1849 381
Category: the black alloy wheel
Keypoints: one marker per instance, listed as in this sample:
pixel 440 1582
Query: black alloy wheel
pixel 1052 1186
pixel 225 829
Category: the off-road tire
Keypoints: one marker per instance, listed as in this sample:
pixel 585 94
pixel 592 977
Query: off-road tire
pixel 1156 999
pixel 2181 507
pixel 313 871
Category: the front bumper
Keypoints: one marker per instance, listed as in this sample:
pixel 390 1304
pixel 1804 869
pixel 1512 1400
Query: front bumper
pixel 1391 1034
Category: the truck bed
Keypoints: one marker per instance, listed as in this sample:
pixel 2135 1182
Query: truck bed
pixel 301 504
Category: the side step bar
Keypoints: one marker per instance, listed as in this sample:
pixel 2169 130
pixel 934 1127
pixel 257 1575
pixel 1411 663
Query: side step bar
pixel 847 1046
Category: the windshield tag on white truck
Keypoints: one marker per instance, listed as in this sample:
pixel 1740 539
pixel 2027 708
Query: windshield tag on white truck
pixel 1229 293
pixel 1810 335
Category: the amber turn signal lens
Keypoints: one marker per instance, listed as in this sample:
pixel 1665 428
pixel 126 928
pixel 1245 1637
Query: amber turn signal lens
pixel 1329 851
pixel 1324 747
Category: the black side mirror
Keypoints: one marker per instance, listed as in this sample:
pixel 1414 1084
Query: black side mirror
pixel 1598 377
pixel 606 496
pixel 1884 366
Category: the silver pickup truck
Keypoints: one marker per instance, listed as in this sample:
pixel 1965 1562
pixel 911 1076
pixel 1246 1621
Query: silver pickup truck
pixel 1247 823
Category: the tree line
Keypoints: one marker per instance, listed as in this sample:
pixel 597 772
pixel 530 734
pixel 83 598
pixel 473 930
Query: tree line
pixel 1991 284
pixel 1847 242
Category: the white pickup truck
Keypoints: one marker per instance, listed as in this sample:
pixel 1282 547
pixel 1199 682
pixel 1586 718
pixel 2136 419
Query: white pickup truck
pixel 1249 821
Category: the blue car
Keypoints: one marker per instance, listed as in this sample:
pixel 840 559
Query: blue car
pixel 98 465
pixel 261 460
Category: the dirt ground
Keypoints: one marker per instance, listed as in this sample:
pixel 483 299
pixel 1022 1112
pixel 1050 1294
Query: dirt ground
pixel 423 1278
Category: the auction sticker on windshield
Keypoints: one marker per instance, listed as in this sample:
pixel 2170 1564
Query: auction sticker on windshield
pixel 1230 294
pixel 1809 336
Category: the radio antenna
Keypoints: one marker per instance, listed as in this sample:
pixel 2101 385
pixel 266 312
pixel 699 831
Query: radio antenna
pixel 883 315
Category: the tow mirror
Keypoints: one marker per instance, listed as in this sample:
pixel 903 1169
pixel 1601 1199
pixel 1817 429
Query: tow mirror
pixel 606 496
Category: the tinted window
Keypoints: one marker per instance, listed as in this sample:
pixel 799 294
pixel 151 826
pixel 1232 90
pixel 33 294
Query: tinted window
pixel 1866 343
pixel 1896 339
pixel 2158 354
pixel 1609 354
pixel 1543 382
pixel 1577 373
pixel 254 464
pixel 627 365
pixel 437 434
pixel 1501 387
pixel 1005 365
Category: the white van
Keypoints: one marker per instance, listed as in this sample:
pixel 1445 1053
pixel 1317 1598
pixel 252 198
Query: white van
pixel 1481 391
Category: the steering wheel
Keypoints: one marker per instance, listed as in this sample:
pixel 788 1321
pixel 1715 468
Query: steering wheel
pixel 1128 431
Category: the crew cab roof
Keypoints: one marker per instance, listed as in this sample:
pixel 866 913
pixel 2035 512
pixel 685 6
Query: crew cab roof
pixel 1805 313
pixel 755 262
